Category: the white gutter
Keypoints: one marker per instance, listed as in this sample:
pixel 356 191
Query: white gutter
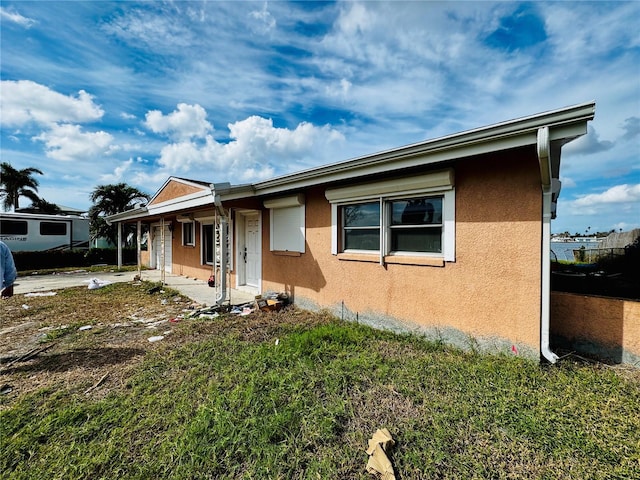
pixel 544 158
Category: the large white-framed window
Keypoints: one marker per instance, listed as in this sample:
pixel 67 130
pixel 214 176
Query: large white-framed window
pixel 287 223
pixel 412 216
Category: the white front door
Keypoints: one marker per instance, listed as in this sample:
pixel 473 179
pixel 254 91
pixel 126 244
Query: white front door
pixel 157 249
pixel 252 250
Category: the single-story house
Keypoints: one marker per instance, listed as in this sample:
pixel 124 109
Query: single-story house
pixel 448 237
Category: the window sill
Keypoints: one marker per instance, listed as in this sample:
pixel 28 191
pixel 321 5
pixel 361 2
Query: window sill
pixel 359 257
pixel 286 253
pixel 392 259
pixel 408 260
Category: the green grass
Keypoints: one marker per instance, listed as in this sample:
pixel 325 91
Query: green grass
pixel 232 406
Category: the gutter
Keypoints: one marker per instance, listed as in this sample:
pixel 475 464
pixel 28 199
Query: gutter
pixel 544 159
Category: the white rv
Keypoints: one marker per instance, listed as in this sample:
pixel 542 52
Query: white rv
pixel 32 232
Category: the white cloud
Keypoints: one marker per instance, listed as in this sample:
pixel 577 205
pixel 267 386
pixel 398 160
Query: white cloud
pixel 157 30
pixel 618 194
pixel 15 17
pixel 257 150
pixel 68 142
pixel 589 144
pixel 118 172
pixel 186 122
pixel 24 101
pixel 631 128
pixel 264 20
pixel 567 182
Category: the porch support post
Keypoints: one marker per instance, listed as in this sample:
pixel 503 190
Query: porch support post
pixel 119 244
pixel 139 247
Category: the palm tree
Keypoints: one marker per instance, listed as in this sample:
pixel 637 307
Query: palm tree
pixel 108 200
pixel 42 206
pixel 17 183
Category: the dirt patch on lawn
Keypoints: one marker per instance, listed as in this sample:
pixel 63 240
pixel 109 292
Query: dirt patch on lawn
pixel 90 341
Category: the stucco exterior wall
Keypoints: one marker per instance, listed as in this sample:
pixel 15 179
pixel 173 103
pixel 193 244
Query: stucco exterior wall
pixel 490 295
pixel 608 328
pixel 186 259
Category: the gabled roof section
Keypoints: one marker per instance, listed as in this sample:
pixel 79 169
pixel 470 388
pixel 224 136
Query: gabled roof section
pixel 564 125
pixel 176 187
pixel 175 195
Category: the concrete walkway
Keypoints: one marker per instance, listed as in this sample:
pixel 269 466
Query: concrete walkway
pixel 197 290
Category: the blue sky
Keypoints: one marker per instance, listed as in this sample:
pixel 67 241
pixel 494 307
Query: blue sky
pixel 104 92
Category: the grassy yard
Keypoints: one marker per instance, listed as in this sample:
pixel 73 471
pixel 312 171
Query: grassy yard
pixel 288 395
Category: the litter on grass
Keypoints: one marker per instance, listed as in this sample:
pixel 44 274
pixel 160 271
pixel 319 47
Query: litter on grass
pixel 156 338
pixel 95 283
pixel 379 446
pixel 85 327
pixel 40 294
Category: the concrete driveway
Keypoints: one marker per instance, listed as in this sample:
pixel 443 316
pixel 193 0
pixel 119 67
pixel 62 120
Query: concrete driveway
pixel 197 290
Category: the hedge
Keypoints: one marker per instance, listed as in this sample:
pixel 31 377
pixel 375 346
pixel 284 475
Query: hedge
pixel 72 258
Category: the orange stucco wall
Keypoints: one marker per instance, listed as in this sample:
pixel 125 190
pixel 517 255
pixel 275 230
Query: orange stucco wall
pixel 186 259
pixel 173 190
pixel 492 291
pixel 606 327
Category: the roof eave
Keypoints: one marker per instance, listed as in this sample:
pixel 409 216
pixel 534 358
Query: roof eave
pixel 565 124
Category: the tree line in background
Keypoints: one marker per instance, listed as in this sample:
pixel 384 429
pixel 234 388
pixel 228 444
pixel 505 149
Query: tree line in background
pixel 107 200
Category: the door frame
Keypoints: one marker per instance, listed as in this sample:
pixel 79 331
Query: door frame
pixel 240 229
pixel 153 254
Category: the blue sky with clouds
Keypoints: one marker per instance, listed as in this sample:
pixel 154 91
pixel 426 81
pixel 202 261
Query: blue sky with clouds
pixel 103 92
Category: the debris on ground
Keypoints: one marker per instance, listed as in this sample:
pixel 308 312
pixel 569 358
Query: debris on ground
pixel 379 446
pixel 41 294
pixel 156 338
pixel 96 385
pixel 96 283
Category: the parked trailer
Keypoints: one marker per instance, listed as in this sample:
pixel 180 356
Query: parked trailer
pixel 32 232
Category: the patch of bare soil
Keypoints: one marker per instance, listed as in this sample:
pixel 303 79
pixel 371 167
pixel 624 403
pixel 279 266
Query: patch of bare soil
pixel 90 341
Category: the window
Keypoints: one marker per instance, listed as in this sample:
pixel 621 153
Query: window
pixel 13 227
pixel 416 225
pixel 287 224
pixel 413 216
pixel 207 244
pixel 188 236
pixel 361 226
pixel 53 228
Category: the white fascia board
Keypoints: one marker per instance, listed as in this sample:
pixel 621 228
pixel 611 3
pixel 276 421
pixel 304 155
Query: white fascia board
pixel 136 213
pixel 188 201
pixel 182 199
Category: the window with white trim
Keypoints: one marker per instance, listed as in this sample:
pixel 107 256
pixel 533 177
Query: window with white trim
pixel 287 223
pixel 412 216
pixel 188 235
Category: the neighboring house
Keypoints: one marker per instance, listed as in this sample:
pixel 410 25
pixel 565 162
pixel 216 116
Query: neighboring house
pixel 448 237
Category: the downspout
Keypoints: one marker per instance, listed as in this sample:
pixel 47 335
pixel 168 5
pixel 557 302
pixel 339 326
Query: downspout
pixel 222 293
pixel 544 159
